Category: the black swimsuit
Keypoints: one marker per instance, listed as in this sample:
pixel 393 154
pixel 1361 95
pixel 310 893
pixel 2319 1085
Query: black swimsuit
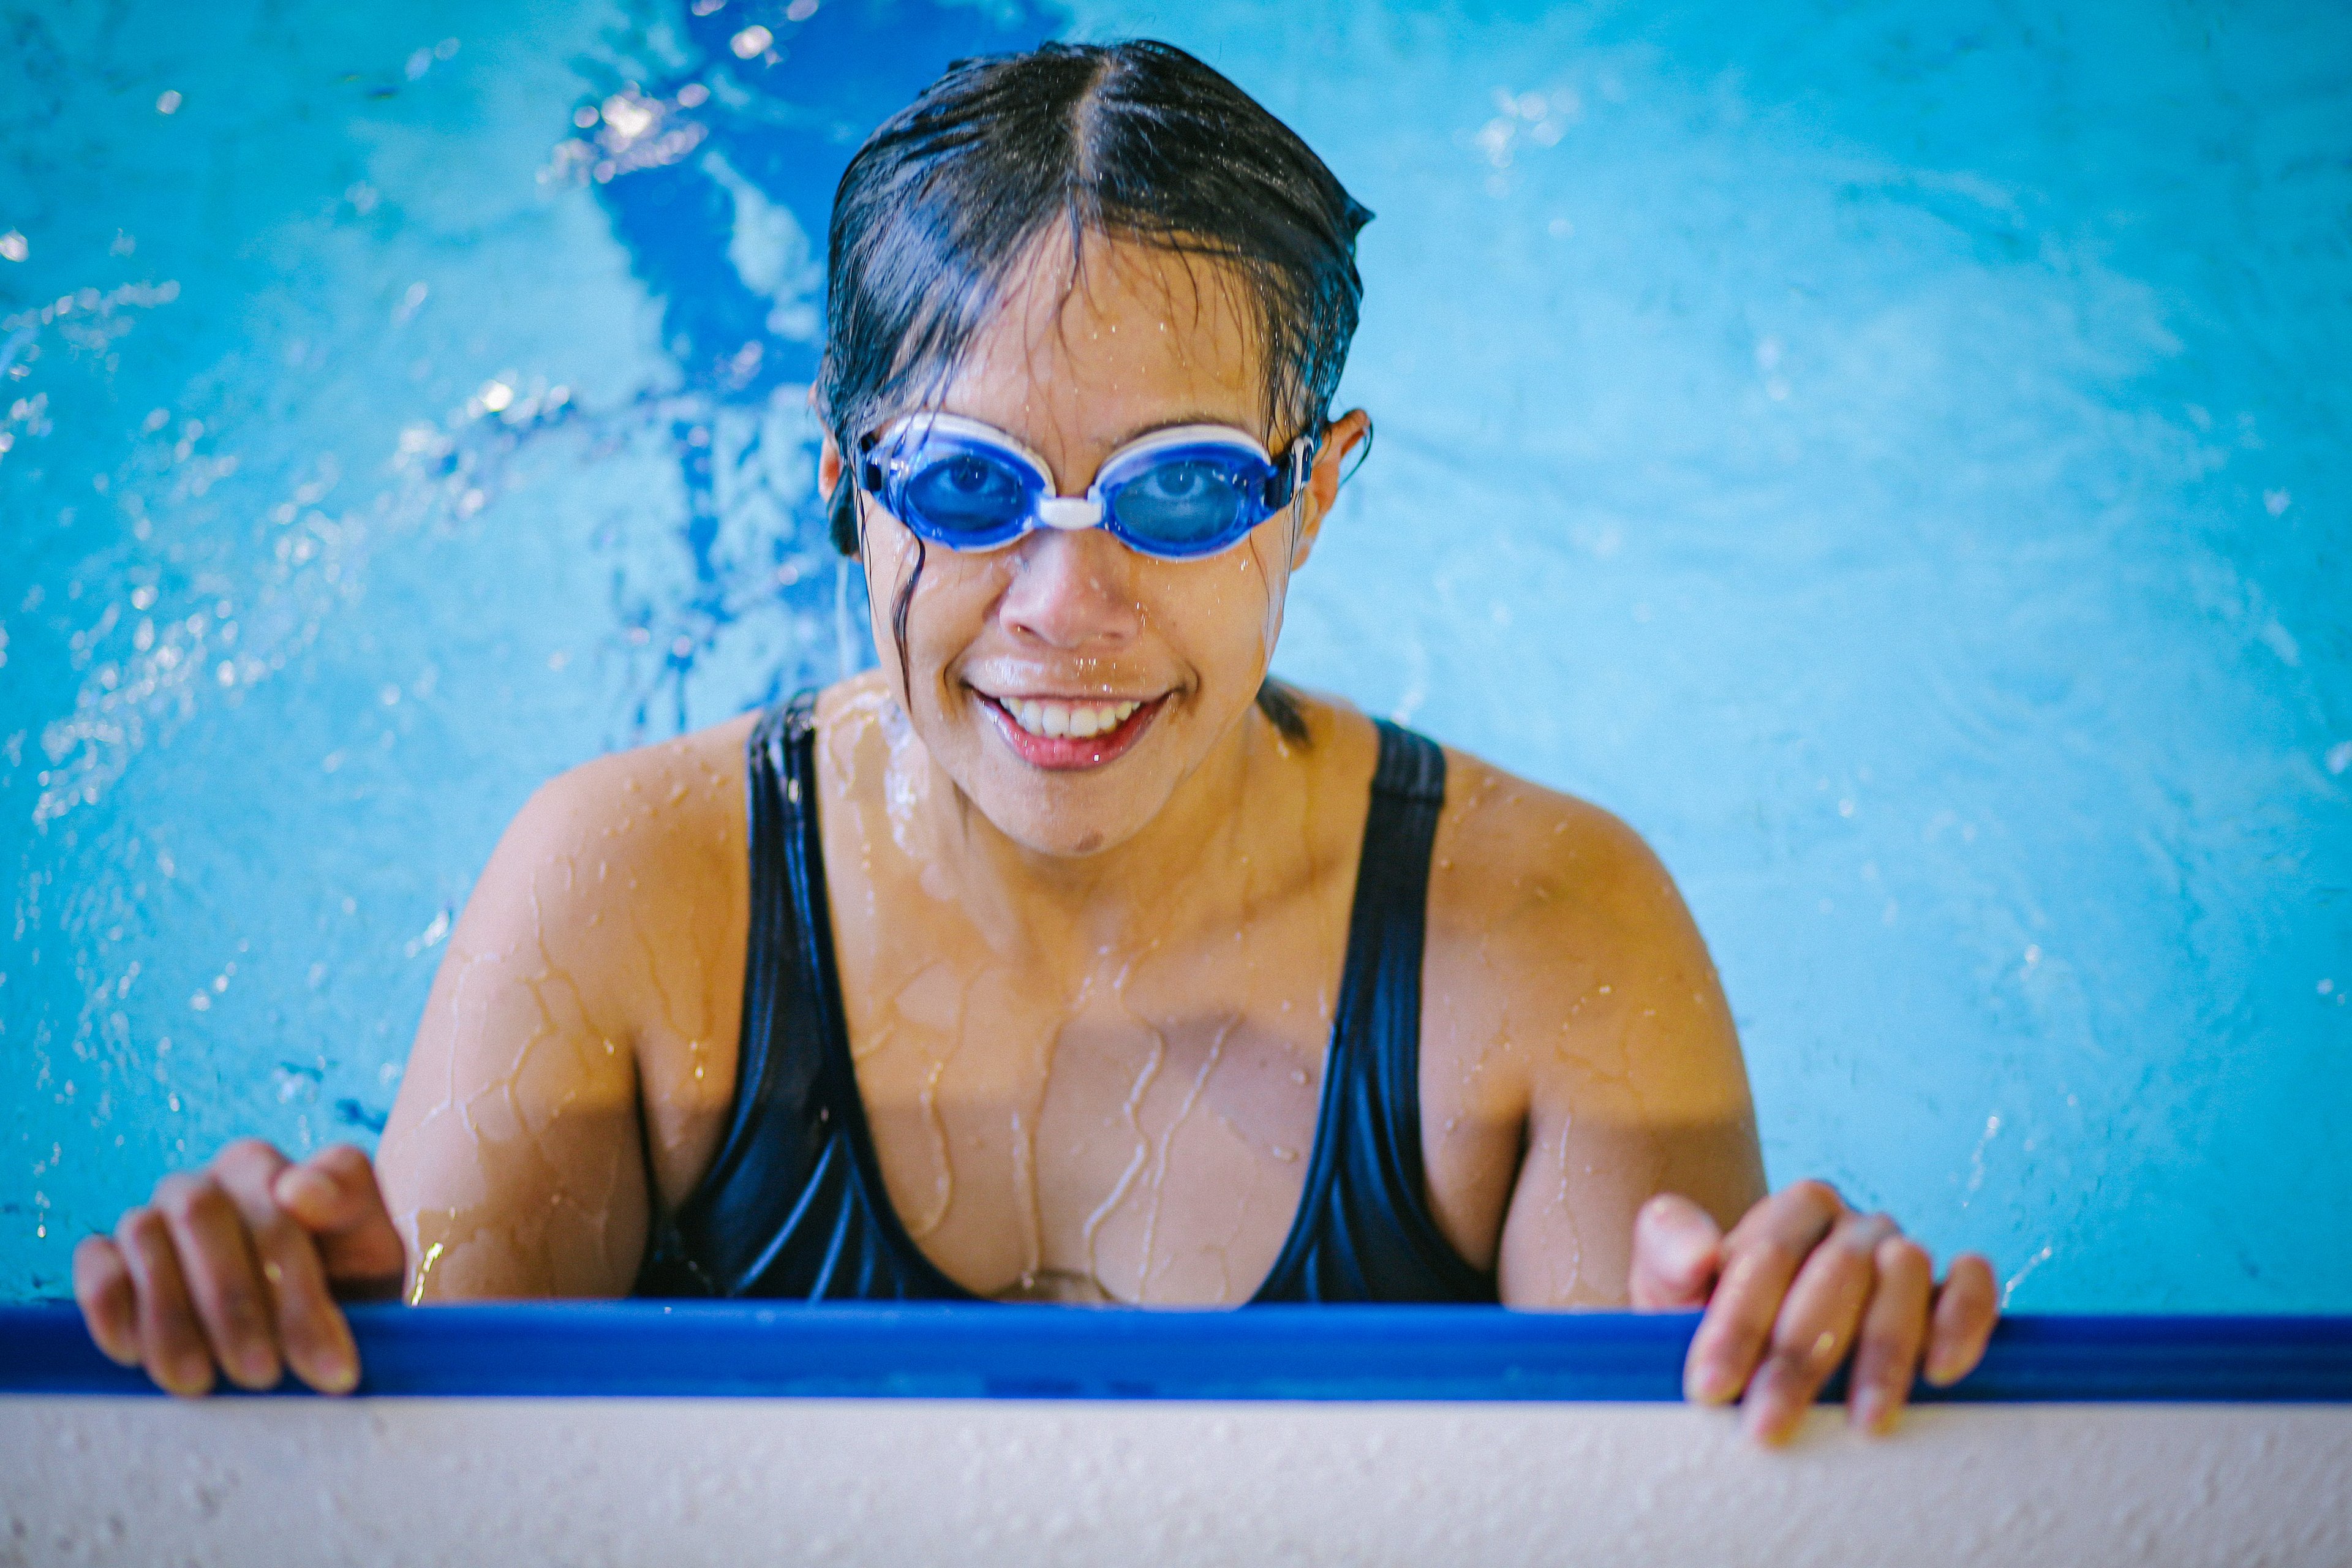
pixel 795 1204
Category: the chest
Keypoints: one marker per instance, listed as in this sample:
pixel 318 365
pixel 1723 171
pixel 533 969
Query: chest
pixel 1132 1131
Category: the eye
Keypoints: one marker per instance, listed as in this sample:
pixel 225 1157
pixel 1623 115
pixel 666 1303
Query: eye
pixel 1179 483
pixel 966 492
pixel 1181 501
pixel 969 477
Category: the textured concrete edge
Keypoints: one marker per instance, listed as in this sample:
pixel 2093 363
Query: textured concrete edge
pixel 523 1480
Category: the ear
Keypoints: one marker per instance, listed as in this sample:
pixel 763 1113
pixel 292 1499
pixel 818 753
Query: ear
pixel 829 467
pixel 1340 438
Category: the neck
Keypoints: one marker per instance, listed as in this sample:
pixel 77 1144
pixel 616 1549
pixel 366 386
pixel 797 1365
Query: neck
pixel 1207 848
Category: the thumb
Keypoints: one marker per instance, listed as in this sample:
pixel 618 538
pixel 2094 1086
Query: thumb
pixel 1677 1253
pixel 333 1195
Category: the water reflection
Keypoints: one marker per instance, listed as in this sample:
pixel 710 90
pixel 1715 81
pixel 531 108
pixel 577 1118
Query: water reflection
pixel 1889 455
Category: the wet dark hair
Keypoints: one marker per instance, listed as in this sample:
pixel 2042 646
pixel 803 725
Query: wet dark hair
pixel 946 201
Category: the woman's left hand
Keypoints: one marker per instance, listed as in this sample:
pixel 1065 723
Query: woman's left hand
pixel 1800 1282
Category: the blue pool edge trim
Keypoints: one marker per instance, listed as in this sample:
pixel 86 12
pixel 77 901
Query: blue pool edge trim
pixel 642 1349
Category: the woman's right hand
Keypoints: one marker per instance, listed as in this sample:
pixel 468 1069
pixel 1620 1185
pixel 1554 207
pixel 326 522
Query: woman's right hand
pixel 238 1267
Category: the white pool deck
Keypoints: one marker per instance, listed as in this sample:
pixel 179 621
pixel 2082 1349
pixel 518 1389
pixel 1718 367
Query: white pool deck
pixel 516 1482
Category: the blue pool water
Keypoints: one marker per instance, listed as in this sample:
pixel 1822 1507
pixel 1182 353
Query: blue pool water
pixel 1892 453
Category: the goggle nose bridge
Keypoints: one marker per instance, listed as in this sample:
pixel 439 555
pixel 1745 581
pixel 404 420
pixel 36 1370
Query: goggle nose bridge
pixel 1069 513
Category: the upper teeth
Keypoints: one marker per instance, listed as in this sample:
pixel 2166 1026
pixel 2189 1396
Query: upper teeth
pixel 1077 719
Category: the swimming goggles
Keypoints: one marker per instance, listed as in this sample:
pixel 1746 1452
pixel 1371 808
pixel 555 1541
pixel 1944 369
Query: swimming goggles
pixel 1177 494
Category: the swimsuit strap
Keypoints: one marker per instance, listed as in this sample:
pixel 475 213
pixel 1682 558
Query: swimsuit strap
pixel 1364 1231
pixel 795 1204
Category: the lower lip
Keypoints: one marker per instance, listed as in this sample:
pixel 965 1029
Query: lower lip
pixel 1064 754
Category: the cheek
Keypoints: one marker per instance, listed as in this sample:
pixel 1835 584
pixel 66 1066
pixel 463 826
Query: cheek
pixel 938 597
pixel 1269 579
pixel 1232 611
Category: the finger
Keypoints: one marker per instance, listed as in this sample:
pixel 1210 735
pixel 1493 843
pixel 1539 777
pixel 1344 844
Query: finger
pixel 1893 1329
pixel 1815 1327
pixel 109 1304
pixel 1677 1250
pixel 222 1275
pixel 309 1326
pixel 335 1196
pixel 170 1342
pixel 1761 1256
pixel 1966 1309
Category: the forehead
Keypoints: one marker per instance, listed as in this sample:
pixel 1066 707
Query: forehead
pixel 1085 351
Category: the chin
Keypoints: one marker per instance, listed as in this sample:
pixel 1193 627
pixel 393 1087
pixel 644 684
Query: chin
pixel 1069 829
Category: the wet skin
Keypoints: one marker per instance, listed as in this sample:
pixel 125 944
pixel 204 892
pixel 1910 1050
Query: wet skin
pixel 1089 1001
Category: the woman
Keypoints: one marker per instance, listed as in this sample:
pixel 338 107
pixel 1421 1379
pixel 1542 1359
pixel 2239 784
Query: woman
pixel 1064 956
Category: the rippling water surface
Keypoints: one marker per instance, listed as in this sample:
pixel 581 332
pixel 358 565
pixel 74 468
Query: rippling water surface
pixel 1892 453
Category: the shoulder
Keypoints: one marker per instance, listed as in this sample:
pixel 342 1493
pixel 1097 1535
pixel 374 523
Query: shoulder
pixel 1562 961
pixel 598 965
pixel 679 796
pixel 612 864
pixel 1517 859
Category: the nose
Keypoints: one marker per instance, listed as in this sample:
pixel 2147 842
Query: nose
pixel 1074 592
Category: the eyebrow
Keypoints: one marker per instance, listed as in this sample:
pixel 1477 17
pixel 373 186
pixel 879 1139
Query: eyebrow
pixel 1194 418
pixel 1137 433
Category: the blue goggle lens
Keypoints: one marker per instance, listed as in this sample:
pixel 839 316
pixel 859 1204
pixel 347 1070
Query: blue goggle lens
pixel 1191 503
pixel 966 494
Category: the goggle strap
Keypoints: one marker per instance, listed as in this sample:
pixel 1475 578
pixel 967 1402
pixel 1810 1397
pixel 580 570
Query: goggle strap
pixel 1288 475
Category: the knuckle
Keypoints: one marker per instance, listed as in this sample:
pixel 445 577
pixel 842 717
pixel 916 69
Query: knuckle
pixel 1894 1332
pixel 1900 1253
pixel 247 1152
pixel 1818 1194
pixel 1851 1244
pixel 276 1233
pixel 240 1311
pixel 1796 1366
pixel 341 1161
pixel 1883 1372
pixel 140 1229
pixel 184 1198
pixel 1869 1230
pixel 1846 1268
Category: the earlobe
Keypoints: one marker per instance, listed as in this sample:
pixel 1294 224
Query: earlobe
pixel 840 497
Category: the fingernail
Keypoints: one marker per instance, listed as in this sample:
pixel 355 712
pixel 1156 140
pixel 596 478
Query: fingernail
pixel 1871 1412
pixel 339 1375
pixel 1709 1383
pixel 1767 1423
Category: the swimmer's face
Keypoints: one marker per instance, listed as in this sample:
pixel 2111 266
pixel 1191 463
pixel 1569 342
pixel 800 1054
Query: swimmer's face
pixel 1003 646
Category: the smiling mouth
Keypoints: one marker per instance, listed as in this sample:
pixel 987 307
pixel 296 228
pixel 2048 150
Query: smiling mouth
pixel 1052 732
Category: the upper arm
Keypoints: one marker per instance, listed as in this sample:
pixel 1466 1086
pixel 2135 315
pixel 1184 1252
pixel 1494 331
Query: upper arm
pixel 1603 1022
pixel 514 1159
